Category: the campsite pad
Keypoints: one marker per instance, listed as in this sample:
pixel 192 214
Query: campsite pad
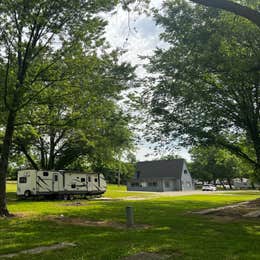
pixel 152 256
pixel 92 223
pixel 145 256
pixel 40 249
pixel 248 209
pixel 130 197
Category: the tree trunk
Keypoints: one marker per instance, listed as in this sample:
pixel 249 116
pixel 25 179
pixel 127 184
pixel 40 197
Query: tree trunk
pixel 229 183
pixel 230 6
pixel 4 161
pixel 29 158
pixel 257 167
pixel 43 161
pixel 223 185
pixel 52 150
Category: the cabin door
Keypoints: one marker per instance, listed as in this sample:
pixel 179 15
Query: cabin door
pixel 168 185
pixel 175 185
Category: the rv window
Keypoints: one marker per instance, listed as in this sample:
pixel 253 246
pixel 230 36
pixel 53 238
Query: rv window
pixel 95 179
pixel 55 177
pixel 22 180
pixel 83 180
pixel 89 179
pixel 45 174
pixel 73 186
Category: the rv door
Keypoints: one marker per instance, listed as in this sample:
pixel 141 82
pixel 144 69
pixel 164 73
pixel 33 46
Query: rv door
pixel 55 182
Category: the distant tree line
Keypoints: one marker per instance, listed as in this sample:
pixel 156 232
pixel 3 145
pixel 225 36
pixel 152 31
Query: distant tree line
pixel 212 165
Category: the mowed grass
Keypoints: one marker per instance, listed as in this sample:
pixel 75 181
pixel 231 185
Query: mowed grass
pixel 173 230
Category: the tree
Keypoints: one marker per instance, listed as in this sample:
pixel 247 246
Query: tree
pixel 80 119
pixel 211 163
pixel 207 89
pixel 35 37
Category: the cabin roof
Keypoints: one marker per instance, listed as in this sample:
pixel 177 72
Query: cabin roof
pixel 159 169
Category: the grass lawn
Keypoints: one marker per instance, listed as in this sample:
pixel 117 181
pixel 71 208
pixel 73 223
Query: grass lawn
pixel 173 231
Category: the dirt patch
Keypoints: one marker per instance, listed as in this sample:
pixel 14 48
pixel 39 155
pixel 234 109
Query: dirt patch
pixel 74 204
pixel 22 215
pixel 137 198
pixel 248 209
pixel 92 223
pixel 254 203
pixel 155 256
pixel 126 198
pixel 106 199
pixel 40 249
pixel 146 256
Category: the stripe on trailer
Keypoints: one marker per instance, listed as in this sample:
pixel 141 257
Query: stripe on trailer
pixel 97 187
pixel 44 183
pixel 39 184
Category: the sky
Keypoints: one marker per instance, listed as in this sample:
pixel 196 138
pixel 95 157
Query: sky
pixel 138 35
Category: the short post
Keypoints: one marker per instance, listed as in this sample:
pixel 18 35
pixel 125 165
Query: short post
pixel 129 216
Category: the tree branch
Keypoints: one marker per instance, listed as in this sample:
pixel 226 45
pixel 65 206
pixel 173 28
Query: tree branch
pixel 27 155
pixel 6 82
pixel 235 8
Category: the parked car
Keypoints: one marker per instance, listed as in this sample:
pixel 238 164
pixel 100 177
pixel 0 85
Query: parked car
pixel 209 187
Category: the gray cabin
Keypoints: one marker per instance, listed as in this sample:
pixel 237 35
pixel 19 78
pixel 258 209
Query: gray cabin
pixel 163 175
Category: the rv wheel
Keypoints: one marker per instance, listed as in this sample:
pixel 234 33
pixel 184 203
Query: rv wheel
pixel 66 197
pixel 27 194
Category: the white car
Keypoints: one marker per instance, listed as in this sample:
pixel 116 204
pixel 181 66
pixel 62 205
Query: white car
pixel 209 187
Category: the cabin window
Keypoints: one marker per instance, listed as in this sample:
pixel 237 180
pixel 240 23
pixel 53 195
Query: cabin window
pixel 137 174
pixel 185 171
pixel 82 179
pixel 22 180
pixel 45 174
pixel 143 184
pixel 167 184
pixel 95 179
pixel 55 177
pixel 152 184
pixel 73 186
pixel 89 179
pixel 135 184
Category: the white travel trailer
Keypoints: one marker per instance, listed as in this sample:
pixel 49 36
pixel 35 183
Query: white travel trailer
pixel 59 183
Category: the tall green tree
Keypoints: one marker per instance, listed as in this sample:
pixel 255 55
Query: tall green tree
pixel 79 116
pixel 207 84
pixel 211 164
pixel 35 37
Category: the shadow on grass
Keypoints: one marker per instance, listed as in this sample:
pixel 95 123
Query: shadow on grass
pixel 193 237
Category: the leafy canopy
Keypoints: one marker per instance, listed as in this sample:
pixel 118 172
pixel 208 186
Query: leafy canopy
pixel 207 85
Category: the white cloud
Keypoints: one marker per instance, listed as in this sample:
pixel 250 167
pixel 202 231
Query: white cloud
pixel 138 35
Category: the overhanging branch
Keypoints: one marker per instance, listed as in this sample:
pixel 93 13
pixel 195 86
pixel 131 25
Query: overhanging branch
pixel 243 11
